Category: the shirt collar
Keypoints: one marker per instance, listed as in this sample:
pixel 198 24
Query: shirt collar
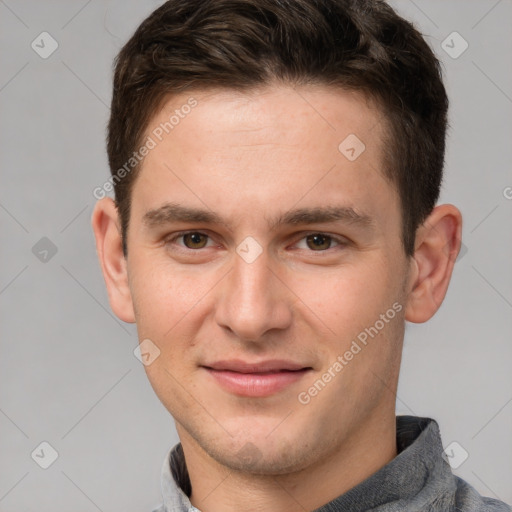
pixel 416 475
pixel 175 483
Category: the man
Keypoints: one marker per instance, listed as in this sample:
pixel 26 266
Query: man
pixel 276 167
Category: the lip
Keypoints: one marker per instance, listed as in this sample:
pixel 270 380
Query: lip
pixel 256 379
pixel 270 365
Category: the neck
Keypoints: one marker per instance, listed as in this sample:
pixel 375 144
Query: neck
pixel 216 488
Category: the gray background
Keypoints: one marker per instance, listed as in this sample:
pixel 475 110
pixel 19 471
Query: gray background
pixel 67 370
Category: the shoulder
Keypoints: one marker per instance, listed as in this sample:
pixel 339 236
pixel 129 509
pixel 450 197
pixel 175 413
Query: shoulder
pixel 467 499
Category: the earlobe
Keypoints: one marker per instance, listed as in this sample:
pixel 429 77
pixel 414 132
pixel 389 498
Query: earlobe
pixel 438 242
pixel 105 225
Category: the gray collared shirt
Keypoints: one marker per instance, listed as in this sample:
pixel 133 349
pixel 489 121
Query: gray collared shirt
pixel 418 479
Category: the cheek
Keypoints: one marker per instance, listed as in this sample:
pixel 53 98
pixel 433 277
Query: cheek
pixel 167 305
pixel 158 287
pixel 347 298
pixel 160 297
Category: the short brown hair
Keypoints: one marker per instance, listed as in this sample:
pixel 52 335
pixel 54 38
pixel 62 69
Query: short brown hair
pixel 238 44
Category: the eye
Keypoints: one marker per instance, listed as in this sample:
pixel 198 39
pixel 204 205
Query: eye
pixel 191 239
pixel 319 242
pixel 195 240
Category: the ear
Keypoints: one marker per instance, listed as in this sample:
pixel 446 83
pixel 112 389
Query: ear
pixel 106 227
pixel 438 242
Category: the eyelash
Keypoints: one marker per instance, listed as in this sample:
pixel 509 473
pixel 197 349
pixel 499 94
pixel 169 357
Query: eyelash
pixel 338 240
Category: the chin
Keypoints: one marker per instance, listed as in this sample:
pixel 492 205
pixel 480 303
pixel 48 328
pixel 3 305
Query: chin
pixel 267 452
pixel 260 460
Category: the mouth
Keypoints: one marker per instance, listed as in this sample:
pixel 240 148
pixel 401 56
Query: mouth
pixel 256 379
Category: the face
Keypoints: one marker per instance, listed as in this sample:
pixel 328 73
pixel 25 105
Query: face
pixel 265 263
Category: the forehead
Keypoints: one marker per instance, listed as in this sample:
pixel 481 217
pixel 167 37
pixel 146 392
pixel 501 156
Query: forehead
pixel 280 145
pixel 324 109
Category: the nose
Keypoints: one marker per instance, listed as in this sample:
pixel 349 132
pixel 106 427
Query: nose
pixel 252 300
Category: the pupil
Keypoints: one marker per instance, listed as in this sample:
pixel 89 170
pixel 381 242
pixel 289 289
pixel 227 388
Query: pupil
pixel 320 241
pixel 195 239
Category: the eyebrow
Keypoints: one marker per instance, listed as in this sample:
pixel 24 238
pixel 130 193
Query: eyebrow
pixel 319 215
pixel 174 212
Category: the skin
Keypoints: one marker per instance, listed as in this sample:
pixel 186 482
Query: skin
pixel 250 157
